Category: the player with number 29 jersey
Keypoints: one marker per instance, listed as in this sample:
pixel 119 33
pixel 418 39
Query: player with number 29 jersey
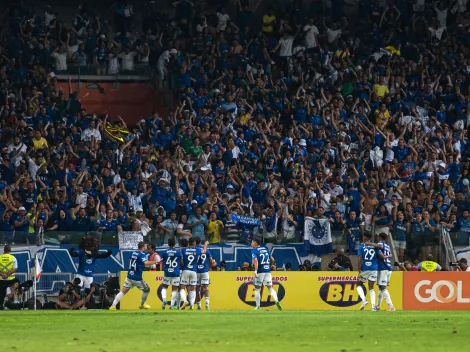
pixel 369 257
pixel 368 266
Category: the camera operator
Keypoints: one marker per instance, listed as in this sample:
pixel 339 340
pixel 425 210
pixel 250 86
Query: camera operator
pixel 462 265
pixel 13 295
pixel 245 267
pixel 69 298
pixel 405 266
pixel 98 297
pixel 343 260
pixel 334 266
pixel 15 298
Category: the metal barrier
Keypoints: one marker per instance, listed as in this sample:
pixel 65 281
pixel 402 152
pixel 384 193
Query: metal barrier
pixel 446 249
pixel 50 284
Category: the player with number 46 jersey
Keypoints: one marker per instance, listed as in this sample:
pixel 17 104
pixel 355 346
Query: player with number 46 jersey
pixel 171 259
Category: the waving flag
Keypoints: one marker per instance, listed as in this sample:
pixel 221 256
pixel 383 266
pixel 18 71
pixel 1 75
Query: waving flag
pixel 317 236
pixel 37 267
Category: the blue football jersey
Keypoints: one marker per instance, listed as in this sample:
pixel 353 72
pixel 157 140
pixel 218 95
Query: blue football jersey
pixel 263 256
pixel 136 266
pixel 190 258
pixel 204 261
pixel 86 266
pixel 385 264
pixel 171 259
pixel 369 256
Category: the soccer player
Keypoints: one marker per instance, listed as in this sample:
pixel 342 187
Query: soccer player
pixel 137 264
pixel 171 259
pixel 385 271
pixel 262 261
pixel 202 287
pixel 191 256
pixel 368 265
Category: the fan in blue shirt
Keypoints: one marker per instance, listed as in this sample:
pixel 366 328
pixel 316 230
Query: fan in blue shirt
pixel 137 263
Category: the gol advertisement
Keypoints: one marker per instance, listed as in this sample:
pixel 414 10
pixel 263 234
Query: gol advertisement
pixel 296 291
pixel 436 291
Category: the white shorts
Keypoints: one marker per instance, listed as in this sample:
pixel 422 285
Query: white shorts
pixel 171 281
pixel 263 279
pixel 400 244
pixel 86 281
pixel 368 275
pixel 189 278
pixel 203 279
pixel 141 285
pixel 384 277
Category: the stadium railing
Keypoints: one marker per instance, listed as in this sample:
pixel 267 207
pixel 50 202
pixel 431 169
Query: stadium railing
pixel 446 249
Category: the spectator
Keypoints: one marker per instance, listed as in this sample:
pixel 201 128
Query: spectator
pixel 127 59
pixel 358 120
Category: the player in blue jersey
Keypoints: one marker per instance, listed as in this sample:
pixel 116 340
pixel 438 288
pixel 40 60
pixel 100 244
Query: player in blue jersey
pixel 137 264
pixel 171 259
pixel 262 261
pixel 191 256
pixel 368 265
pixel 202 287
pixel 385 271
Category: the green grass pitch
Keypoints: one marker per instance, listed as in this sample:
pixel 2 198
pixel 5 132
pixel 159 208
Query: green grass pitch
pixel 286 331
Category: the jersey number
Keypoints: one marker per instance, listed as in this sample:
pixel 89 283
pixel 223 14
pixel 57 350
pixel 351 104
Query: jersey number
pixel 172 263
pixel 369 254
pixel 265 259
pixel 203 258
pixel 190 261
pixel 133 264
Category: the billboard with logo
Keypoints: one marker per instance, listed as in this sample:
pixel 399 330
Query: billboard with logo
pixel 296 291
pixel 436 291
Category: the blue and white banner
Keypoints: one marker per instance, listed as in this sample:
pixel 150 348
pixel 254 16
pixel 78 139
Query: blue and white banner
pixel 246 220
pixel 317 236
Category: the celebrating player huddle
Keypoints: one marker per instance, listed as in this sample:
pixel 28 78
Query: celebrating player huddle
pixel 374 262
pixel 185 269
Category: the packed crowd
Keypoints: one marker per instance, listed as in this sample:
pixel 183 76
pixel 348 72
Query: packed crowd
pixel 359 119
pixel 89 41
